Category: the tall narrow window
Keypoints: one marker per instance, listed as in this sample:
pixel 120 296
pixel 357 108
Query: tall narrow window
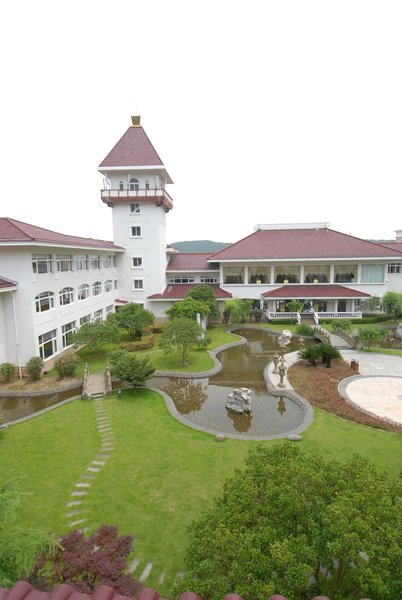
pixel 121 186
pixel 134 185
pixel 96 288
pixel 66 331
pixel 66 296
pixel 135 208
pixel 138 284
pixel 136 231
pixel 47 344
pixel 42 263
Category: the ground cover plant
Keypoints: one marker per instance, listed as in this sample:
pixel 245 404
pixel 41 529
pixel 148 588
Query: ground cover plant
pixel 161 474
pixel 319 386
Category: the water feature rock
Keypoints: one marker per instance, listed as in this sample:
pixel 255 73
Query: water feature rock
pixel 398 332
pixel 239 400
pixel 294 437
pixel 219 437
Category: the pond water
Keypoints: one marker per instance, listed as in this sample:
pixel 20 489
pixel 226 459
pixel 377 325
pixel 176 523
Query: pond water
pixel 16 407
pixel 201 402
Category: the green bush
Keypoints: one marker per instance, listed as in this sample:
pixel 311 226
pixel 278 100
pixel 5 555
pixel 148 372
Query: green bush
pixel 304 329
pixel 66 365
pixel 156 328
pixel 343 325
pixel 257 314
pixel 34 367
pixel 311 353
pixel 328 352
pixel 7 371
pixel 144 344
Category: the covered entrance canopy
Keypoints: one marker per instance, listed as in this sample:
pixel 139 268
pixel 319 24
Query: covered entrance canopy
pixel 333 300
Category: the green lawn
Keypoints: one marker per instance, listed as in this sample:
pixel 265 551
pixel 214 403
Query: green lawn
pixel 160 475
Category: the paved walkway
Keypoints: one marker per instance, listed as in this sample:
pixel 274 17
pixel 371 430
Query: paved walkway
pixel 376 390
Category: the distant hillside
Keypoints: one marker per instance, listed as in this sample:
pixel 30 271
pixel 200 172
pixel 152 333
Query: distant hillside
pixel 199 246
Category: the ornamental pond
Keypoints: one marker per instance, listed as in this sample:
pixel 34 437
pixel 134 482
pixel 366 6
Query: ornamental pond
pixel 200 402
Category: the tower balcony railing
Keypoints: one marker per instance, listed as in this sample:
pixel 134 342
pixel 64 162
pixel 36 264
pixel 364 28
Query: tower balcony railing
pixel 159 195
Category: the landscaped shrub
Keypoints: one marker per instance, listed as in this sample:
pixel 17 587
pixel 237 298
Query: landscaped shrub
pixel 66 365
pixel 144 344
pixel 343 325
pixel 257 314
pixel 7 371
pixel 34 367
pixel 202 343
pixel 328 352
pixel 304 329
pixel 86 563
pixel 311 353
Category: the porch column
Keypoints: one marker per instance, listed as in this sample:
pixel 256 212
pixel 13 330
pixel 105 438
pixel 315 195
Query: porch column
pixel 301 273
pixel 331 273
pixel 272 279
pixel 246 275
pixel 359 274
pixel 335 305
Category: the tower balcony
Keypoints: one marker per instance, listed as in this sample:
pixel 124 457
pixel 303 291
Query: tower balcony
pixel 125 196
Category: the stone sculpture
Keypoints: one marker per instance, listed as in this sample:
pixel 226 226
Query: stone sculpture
pixel 239 400
pixel 398 332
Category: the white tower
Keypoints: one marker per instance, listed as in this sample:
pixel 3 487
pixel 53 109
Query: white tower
pixel 134 187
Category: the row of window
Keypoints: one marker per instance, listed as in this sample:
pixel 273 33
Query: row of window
pixel 187 279
pixel 48 341
pixel 311 274
pixel 49 263
pixel 45 300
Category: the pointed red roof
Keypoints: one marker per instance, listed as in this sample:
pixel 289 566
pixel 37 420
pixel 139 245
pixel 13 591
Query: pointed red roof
pixel 13 231
pixel 320 243
pixel 190 261
pixel 6 284
pixel 314 291
pixel 133 149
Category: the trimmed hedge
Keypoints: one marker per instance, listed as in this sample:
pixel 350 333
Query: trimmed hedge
pixel 144 344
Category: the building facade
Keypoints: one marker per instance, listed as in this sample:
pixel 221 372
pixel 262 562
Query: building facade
pixel 51 283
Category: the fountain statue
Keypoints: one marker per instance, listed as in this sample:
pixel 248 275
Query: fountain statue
pixel 239 400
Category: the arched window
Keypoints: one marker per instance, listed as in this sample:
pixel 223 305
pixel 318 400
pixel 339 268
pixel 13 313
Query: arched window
pixel 108 285
pixel 83 291
pixel 44 301
pixel 134 185
pixel 66 296
pixel 96 288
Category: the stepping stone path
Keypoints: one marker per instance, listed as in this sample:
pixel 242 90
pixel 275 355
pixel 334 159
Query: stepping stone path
pixel 75 507
pixel 75 513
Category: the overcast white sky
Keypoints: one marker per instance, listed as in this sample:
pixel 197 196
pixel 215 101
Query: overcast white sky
pixel 262 112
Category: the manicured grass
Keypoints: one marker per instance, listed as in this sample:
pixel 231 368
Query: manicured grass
pixel 161 474
pixel 392 351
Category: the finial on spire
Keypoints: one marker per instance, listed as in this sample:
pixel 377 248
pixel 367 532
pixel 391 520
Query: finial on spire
pixel 136 120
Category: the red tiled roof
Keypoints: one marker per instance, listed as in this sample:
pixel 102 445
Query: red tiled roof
pixel 24 591
pixel 393 245
pixel 195 261
pixel 7 283
pixel 133 149
pixel 302 243
pixel 13 231
pixel 314 291
pixel 178 291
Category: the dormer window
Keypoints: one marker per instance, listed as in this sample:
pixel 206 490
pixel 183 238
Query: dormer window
pixel 134 185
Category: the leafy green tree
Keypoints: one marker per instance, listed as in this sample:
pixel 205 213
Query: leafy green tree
pixel 134 318
pixel 18 546
pixel 295 524
pixel 294 306
pixel 130 368
pixel 257 314
pixel 343 325
pixel 238 310
pixel 180 334
pixel 304 329
pixel 205 293
pixel 96 334
pixel 188 308
pixel 392 303
pixel 372 335
pixel 371 304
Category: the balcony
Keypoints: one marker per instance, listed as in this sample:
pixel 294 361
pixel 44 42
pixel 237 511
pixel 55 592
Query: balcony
pixel 125 196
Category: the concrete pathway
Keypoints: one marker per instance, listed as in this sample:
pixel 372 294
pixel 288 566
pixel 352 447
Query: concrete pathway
pixel 377 389
pixel 96 387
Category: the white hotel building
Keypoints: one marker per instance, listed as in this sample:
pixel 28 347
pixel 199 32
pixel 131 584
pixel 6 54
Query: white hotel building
pixel 51 283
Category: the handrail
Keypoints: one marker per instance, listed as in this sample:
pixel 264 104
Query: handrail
pixel 85 383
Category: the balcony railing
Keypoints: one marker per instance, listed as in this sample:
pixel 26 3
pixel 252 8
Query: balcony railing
pixel 157 194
